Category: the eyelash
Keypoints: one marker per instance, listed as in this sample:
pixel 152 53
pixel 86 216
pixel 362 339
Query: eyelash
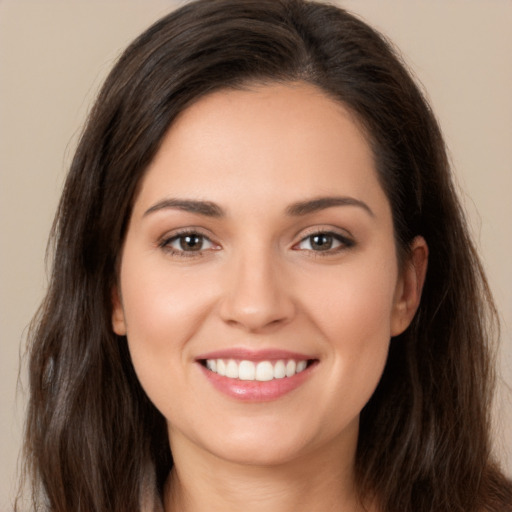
pixel 343 241
pixel 166 242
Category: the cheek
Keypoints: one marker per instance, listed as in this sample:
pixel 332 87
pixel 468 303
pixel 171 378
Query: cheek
pixel 158 302
pixel 162 311
pixel 354 317
pixel 355 303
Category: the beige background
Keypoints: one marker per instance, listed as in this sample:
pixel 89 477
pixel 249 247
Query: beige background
pixel 54 54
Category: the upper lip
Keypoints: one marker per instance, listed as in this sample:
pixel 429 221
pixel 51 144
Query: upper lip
pixel 245 354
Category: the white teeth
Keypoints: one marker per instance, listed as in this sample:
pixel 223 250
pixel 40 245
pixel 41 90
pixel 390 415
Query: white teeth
pixel 262 371
pixel 301 366
pixel 279 370
pixel 246 370
pixel 290 368
pixel 221 367
pixel 232 370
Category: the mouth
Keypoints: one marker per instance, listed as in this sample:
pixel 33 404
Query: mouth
pixel 259 371
pixel 259 376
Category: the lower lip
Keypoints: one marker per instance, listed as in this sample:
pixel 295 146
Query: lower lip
pixel 256 391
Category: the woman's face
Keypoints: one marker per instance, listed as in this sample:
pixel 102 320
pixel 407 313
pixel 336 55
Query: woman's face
pixel 259 285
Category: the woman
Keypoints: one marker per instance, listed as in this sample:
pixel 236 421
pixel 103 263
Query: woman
pixel 264 293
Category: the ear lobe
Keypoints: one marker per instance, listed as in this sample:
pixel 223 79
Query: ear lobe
pixel 118 320
pixel 410 286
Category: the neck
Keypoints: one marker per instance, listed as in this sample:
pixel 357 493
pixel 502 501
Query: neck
pixel 202 482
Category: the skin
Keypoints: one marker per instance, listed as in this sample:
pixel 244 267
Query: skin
pixel 257 282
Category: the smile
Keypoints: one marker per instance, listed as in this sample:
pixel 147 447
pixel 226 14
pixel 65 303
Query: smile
pixel 262 371
pixel 256 376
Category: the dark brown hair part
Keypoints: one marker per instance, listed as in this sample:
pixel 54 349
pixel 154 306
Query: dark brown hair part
pixel 92 434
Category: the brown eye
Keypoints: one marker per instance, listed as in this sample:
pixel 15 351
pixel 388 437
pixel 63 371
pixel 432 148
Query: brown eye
pixel 324 241
pixel 191 242
pixel 187 243
pixel 321 242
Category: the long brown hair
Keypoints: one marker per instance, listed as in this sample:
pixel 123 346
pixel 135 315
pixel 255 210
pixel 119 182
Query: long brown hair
pixel 92 433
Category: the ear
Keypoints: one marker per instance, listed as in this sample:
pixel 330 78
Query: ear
pixel 118 320
pixel 409 286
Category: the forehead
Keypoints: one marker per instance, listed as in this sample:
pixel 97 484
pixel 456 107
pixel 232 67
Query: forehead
pixel 276 141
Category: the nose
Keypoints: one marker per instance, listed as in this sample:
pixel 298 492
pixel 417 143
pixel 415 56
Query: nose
pixel 257 297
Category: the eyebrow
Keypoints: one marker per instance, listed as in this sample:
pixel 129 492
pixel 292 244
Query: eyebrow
pixel 206 208
pixel 322 203
pixel 210 209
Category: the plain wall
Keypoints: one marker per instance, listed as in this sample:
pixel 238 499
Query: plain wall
pixel 54 55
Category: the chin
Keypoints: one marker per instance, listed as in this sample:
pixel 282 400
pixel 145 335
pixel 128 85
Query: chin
pixel 276 443
pixel 261 453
